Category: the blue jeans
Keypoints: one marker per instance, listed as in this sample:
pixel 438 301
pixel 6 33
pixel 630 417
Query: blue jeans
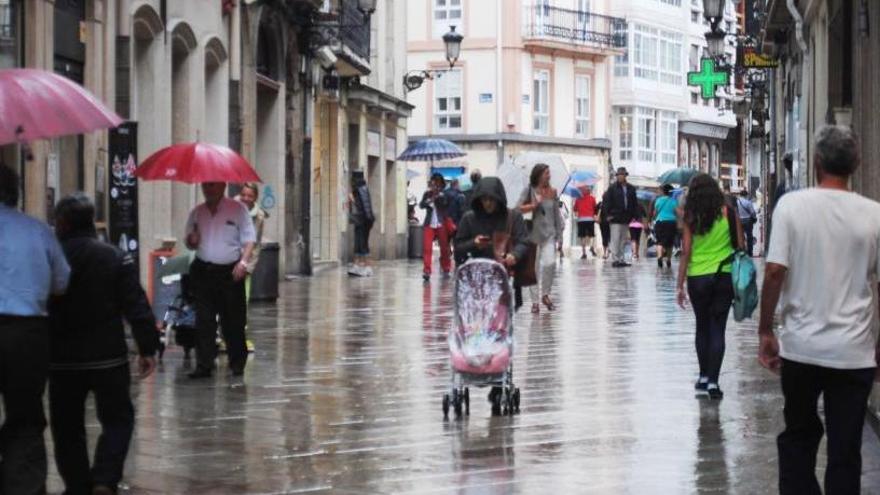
pixel 711 297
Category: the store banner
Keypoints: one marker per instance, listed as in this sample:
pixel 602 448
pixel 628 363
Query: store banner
pixel 123 201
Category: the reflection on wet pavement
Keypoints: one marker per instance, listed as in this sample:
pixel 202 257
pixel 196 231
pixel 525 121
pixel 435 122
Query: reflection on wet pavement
pixel 344 395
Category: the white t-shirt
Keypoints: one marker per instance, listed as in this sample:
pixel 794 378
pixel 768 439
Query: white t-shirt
pixel 829 241
pixel 223 234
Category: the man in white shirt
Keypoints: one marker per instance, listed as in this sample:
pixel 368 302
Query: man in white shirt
pixel 222 233
pixel 823 261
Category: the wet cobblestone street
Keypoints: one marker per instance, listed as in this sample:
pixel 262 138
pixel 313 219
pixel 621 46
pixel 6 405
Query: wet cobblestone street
pixel 343 395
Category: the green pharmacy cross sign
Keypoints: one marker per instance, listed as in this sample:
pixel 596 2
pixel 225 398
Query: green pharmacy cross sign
pixel 709 78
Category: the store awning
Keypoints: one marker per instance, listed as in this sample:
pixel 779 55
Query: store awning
pixel 701 129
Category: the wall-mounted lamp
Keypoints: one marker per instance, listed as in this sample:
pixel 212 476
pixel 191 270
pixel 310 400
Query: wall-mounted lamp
pixel 413 80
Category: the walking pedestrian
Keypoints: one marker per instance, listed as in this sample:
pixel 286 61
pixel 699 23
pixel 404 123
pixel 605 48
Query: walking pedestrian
pixel 89 353
pixel 248 196
pixel 604 229
pixel 585 209
pixel 456 208
pixel 476 175
pixel 665 225
pixel 823 270
pixel 540 201
pixel 711 235
pixel 636 227
pixel 221 232
pixel 489 215
pixel 435 203
pixel 620 207
pixel 747 217
pixel 360 208
pixel 33 268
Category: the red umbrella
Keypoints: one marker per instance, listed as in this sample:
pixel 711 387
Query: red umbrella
pixel 36 104
pixel 195 163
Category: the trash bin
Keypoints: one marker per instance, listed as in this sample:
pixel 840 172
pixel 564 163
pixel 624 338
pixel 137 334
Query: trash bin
pixel 264 280
pixel 414 242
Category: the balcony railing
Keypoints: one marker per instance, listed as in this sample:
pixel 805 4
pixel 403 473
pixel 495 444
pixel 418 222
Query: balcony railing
pixel 355 29
pixel 575 26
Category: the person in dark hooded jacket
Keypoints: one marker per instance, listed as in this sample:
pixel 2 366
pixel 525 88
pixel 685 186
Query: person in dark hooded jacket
pixel 489 214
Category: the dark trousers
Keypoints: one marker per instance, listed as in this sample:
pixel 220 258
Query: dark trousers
pixel 67 399
pixel 845 394
pixel 711 297
pixel 748 229
pixel 24 364
pixel 216 293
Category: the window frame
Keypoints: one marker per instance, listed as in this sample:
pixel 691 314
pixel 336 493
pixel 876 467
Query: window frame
pixel 625 151
pixel 541 117
pixel 440 27
pixel 579 118
pixel 441 83
pixel 647 134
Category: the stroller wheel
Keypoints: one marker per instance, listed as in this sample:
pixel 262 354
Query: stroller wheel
pixel 445 406
pixel 456 402
pixel 467 401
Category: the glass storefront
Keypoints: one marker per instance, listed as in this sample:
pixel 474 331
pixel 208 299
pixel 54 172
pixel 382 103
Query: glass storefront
pixel 10 34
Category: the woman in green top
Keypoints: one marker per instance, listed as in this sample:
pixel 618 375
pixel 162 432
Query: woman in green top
pixel 710 227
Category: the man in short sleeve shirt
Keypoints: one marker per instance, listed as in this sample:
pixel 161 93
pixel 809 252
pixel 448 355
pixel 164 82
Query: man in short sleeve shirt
pixel 32 269
pixel 222 233
pixel 823 261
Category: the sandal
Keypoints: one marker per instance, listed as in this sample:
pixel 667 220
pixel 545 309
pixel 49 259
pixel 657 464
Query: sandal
pixel 547 302
pixel 536 308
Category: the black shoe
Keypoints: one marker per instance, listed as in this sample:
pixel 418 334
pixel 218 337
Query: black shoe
pixel 584 256
pixel 714 392
pixel 659 262
pixel 426 277
pixel 593 251
pixel 200 373
pixel 625 264
pixel 669 264
pixel 616 264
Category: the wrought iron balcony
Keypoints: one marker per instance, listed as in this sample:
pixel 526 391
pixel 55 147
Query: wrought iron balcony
pixel 556 25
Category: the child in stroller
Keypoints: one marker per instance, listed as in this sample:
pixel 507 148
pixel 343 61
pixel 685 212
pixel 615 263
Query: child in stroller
pixel 180 319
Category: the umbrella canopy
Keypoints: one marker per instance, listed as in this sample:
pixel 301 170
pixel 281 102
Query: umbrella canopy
pixel 558 170
pixel 37 104
pixel 575 191
pixel 195 163
pixel 431 150
pixel 679 176
pixel 584 177
pixel 515 179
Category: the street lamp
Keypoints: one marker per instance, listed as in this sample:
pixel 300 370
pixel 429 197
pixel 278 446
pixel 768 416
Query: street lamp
pixel 713 10
pixel 367 7
pixel 414 79
pixel 715 42
pixel 452 40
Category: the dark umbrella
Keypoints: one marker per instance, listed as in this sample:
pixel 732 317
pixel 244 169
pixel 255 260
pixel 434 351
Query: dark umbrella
pixel 430 150
pixel 680 176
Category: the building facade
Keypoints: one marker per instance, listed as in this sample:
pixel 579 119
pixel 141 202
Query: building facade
pixel 532 76
pixel 658 122
pixel 241 74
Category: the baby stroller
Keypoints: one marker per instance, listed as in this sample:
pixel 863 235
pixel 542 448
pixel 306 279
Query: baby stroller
pixel 180 319
pixel 481 338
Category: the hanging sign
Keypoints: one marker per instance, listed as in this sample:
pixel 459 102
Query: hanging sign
pixel 751 59
pixel 708 78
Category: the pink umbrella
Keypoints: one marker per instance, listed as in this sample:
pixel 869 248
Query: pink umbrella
pixel 36 104
pixel 195 163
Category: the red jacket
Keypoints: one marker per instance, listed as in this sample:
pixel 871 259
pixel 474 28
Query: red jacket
pixel 585 206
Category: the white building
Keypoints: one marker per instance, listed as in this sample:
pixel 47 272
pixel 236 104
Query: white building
pixel 658 122
pixel 533 75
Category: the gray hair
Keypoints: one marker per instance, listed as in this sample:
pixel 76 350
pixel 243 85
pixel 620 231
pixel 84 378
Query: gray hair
pixel 837 150
pixel 8 186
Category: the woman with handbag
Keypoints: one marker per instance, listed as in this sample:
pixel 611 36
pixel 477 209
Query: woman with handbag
pixel 712 233
pixel 540 202
pixel 489 229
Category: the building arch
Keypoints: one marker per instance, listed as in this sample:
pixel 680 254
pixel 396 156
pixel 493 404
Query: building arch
pixel 146 23
pixel 215 52
pixel 270 46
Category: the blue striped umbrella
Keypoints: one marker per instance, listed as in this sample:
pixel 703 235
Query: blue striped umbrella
pixel 430 150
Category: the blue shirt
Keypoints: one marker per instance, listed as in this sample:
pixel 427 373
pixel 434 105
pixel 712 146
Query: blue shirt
pixel 664 209
pixel 32 265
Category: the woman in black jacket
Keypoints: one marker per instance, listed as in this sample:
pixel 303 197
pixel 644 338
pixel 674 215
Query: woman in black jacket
pixel 489 214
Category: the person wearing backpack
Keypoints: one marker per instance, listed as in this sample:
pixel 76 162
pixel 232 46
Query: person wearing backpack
pixel 712 234
pixel 823 263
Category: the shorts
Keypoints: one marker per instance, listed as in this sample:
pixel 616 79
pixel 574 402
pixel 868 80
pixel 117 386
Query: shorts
pixel 586 228
pixel 362 240
pixel 665 233
pixel 635 234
